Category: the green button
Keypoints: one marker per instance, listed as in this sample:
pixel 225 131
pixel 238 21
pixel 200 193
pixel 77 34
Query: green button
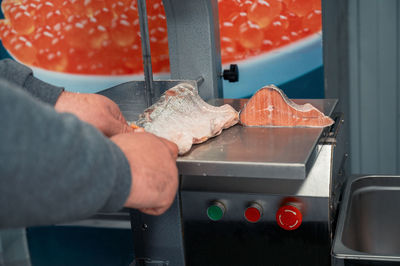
pixel 215 211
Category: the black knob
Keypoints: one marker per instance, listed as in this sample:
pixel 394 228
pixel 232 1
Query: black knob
pixel 231 74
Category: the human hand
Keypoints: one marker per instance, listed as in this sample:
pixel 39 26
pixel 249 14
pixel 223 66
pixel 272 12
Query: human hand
pixel 95 109
pixel 153 169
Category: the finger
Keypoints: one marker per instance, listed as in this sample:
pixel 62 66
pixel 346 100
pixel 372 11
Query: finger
pixel 114 110
pixel 153 211
pixel 117 114
pixel 121 117
pixel 116 127
pixel 172 147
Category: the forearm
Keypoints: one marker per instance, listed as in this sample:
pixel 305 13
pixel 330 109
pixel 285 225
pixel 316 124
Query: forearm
pixel 53 167
pixel 23 77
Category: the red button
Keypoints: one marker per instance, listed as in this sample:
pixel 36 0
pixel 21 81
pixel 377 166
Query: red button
pixel 289 217
pixel 253 213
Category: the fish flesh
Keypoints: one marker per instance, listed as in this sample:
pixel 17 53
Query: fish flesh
pixel 181 116
pixel 270 107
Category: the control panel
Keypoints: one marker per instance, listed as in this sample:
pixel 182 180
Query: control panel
pixel 254 226
pixel 288 211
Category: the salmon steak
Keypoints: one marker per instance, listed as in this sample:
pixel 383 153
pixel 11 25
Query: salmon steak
pixel 270 107
pixel 181 116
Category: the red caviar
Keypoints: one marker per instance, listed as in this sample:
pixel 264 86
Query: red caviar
pixel 103 36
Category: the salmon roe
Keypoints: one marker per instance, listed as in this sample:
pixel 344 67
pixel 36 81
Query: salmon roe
pixel 103 36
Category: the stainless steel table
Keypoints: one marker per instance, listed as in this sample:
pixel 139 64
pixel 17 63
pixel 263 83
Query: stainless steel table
pixel 279 152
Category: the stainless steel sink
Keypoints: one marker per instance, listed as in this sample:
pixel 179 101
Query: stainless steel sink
pixel 368 226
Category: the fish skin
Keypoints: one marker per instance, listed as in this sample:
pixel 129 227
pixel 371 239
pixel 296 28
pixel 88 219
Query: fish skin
pixel 181 116
pixel 270 107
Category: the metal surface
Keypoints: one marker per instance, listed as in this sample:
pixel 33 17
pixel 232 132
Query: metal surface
pixel 159 238
pixel 242 165
pixel 316 184
pixel 119 220
pixel 176 236
pixel 235 241
pixel 281 153
pixel 195 204
pixel 368 227
pixel 361 39
pixel 150 92
pixel 131 96
pixel 372 61
pixel 338 137
pixel 193 41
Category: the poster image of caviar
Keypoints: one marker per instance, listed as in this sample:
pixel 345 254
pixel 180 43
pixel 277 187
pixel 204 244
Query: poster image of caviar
pixel 101 38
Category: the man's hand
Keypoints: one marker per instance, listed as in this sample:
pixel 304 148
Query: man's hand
pixel 153 168
pixel 97 110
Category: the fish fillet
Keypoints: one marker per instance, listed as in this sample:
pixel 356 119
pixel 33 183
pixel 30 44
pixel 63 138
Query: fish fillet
pixel 182 117
pixel 269 106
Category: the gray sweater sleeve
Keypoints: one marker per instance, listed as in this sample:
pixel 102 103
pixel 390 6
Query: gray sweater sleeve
pixel 53 167
pixel 23 77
